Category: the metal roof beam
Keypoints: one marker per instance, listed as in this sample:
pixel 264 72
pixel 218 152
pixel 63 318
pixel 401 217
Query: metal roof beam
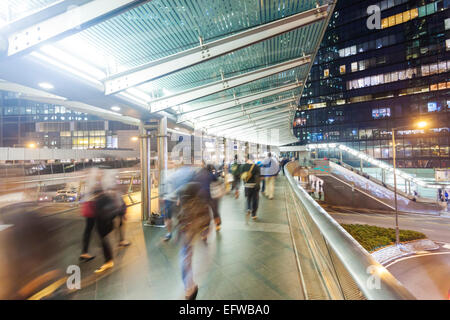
pixel 235 102
pixel 240 122
pixel 70 22
pixel 225 84
pixel 268 134
pixel 244 112
pixel 205 52
pixel 247 117
pixel 263 121
pixel 260 125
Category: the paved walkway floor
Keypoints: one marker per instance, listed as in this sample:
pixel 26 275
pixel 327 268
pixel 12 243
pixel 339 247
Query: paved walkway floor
pixel 254 261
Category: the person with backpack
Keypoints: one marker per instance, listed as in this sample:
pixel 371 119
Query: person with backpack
pixel 193 218
pixel 235 172
pixel 251 174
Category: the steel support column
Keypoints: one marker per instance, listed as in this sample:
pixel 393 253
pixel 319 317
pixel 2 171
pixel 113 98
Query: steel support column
pixel 162 157
pixel 146 183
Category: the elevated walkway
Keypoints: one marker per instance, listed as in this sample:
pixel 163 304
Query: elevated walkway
pixel 295 250
pixel 241 261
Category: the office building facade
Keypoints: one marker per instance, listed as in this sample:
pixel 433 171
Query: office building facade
pixel 25 122
pixel 367 81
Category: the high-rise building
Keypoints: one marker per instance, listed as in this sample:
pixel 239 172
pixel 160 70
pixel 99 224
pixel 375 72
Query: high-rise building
pixel 369 78
pixel 24 122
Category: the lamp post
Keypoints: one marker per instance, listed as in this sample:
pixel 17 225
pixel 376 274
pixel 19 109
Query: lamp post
pixel 397 232
pixel 421 124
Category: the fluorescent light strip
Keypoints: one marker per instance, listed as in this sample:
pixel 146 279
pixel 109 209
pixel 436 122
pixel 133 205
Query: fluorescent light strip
pixel 65 67
pixel 73 62
pixel 138 93
pixel 134 98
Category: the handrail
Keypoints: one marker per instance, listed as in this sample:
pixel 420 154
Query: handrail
pixel 356 260
pixel 378 163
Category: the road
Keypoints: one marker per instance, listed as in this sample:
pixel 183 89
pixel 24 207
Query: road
pixel 434 227
pixel 426 276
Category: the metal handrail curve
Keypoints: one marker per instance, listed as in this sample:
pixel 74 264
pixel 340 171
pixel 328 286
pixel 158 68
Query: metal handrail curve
pixel 356 260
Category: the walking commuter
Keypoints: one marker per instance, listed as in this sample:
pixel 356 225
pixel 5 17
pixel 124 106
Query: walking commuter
pixel 105 214
pixel 88 210
pixel 269 170
pixel 193 218
pixel 108 206
pixel 283 162
pixel 204 176
pixel 235 171
pixel 217 190
pixel 172 183
pixel 251 177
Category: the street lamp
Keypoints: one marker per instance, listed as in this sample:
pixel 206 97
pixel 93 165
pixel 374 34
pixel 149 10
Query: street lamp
pixel 420 124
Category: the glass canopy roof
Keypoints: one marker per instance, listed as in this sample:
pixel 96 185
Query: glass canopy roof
pixel 153 30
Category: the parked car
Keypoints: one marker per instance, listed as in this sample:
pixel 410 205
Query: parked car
pixel 66 195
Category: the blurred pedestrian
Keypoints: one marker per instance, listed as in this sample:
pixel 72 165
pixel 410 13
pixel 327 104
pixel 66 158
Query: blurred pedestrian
pixel 269 170
pixel 283 162
pixel 88 210
pixel 193 218
pixel 107 209
pixel 235 172
pixel 171 185
pixel 217 191
pixel 110 186
pixel 251 174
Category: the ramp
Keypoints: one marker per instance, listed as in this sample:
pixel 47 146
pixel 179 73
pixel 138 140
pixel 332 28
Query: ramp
pixel 344 187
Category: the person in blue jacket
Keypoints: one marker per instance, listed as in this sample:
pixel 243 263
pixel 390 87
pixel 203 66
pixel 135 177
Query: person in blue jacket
pixel 269 170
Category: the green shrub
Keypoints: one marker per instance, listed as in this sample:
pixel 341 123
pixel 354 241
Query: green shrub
pixel 373 237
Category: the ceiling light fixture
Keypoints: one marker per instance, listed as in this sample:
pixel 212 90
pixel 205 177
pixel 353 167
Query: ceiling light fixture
pixel 46 85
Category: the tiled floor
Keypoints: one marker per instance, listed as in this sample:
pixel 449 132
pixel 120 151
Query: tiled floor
pixel 254 261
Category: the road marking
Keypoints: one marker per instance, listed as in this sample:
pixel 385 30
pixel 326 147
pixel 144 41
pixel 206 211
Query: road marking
pixel 5 226
pixel 416 256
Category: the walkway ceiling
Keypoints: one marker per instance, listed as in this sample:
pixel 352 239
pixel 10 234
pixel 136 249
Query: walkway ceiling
pixel 232 68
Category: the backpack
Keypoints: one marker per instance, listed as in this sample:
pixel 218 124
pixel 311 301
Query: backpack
pixel 246 176
pixel 107 209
